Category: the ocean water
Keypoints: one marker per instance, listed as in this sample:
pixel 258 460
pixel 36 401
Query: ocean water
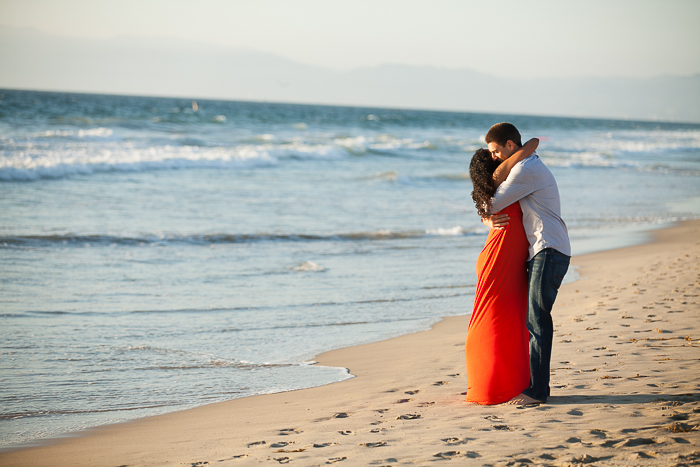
pixel 159 254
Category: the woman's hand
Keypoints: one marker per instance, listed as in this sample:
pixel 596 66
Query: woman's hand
pixel 496 221
pixel 502 171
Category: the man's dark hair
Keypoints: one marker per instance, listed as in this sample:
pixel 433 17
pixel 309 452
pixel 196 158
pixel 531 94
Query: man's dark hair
pixel 500 133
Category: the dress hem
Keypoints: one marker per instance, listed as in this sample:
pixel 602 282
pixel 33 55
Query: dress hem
pixel 489 402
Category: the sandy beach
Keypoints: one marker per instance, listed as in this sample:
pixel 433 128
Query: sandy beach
pixel 625 391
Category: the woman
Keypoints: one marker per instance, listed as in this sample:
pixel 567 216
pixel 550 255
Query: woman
pixel 498 366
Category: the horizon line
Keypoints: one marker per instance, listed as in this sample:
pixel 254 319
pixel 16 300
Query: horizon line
pixel 355 106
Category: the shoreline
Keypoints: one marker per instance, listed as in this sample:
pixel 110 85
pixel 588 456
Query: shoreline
pixel 624 388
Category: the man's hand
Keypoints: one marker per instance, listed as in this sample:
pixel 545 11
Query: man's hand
pixel 496 221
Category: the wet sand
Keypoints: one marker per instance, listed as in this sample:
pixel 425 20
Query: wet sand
pixel 625 391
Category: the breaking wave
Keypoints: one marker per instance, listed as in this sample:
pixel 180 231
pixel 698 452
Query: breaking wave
pixel 212 239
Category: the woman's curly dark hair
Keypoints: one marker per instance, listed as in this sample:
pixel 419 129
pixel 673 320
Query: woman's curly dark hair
pixel 481 171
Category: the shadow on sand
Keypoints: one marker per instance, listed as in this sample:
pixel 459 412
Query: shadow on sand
pixel 618 399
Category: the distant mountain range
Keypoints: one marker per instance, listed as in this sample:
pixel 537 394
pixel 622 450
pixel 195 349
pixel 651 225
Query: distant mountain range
pixel 33 60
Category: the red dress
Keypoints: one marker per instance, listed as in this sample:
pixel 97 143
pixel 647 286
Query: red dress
pixel 498 362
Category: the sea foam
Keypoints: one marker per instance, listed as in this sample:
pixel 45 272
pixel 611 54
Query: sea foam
pixel 30 159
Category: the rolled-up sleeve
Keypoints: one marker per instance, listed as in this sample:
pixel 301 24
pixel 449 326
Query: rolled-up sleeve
pixel 518 185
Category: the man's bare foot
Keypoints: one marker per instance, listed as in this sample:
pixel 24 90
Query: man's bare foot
pixel 522 399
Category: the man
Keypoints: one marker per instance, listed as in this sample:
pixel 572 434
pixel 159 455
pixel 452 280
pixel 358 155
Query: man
pixel 532 184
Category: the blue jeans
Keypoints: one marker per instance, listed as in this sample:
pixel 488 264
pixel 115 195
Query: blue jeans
pixel 545 272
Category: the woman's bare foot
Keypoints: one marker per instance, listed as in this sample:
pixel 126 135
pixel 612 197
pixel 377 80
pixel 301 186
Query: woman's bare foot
pixel 522 399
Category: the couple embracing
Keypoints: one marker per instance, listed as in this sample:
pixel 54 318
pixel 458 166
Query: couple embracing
pixel 519 271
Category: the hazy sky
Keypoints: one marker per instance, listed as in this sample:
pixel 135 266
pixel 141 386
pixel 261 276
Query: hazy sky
pixel 547 38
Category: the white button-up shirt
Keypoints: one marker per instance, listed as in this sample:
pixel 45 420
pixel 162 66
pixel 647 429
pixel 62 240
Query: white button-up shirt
pixel 532 184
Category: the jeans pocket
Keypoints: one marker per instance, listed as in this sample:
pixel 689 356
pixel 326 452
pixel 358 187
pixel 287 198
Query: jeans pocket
pixel 559 269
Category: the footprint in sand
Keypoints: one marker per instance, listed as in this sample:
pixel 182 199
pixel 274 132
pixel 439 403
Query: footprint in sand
pixel 456 441
pixel 536 407
pixel 576 460
pixel 373 445
pixel 257 443
pixel 385 463
pixel 679 427
pixel 453 454
pixel 381 410
pixel 634 442
pixel 289 431
pixel 410 416
pixel 282 460
pixel 340 415
pixel 240 456
pixel 324 445
pixel 693 456
pixel 440 383
pixel 574 412
pixel 403 401
pixel 502 427
pixel 641 455
pixel 522 460
pixel 447 455
pixel 346 432
pixel 333 460
pixel 410 393
pixel 281 444
pixel 666 403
